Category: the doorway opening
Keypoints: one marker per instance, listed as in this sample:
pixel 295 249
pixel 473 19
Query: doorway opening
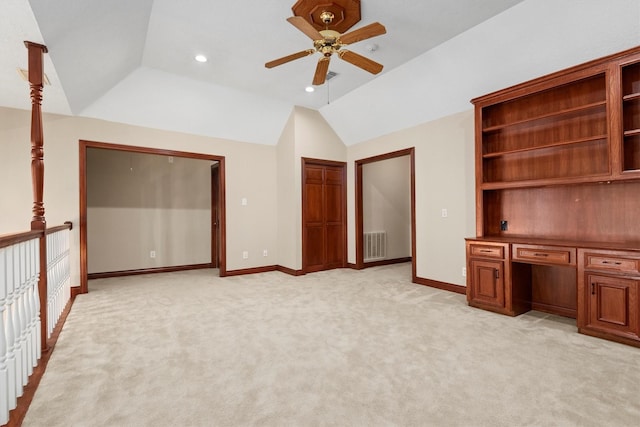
pixel 169 206
pixel 375 238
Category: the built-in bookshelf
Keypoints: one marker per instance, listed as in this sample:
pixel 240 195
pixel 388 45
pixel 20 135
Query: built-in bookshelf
pixel 557 198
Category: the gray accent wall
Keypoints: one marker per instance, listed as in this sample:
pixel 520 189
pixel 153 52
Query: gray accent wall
pixel 138 203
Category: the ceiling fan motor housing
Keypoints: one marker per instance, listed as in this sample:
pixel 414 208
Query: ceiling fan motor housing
pixel 327 17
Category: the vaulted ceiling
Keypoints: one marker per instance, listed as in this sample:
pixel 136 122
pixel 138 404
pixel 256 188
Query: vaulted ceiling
pixel 133 61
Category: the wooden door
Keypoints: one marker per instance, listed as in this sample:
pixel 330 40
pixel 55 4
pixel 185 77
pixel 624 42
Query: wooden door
pixel 324 229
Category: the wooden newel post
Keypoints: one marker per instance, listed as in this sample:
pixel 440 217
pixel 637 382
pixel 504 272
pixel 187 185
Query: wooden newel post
pixel 36 81
pixel 38 222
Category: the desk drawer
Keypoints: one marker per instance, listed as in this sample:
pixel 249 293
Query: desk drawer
pixel 544 254
pixel 606 262
pixel 486 251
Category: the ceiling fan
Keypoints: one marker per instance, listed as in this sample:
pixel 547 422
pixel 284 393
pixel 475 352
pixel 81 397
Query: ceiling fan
pixel 327 42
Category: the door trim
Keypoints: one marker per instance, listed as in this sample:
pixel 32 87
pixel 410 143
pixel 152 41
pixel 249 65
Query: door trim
pixel 319 162
pixel 84 145
pixel 360 264
pixel 215 215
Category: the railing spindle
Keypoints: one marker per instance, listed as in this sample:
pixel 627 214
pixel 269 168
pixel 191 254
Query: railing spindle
pixel 4 377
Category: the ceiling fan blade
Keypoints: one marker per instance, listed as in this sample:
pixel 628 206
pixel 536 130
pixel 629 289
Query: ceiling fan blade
pixel 321 70
pixel 360 61
pixel 289 58
pixel 366 32
pixel 303 25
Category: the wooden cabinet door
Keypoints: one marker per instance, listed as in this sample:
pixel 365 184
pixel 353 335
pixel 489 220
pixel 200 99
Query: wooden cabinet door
pixel 487 282
pixel 324 215
pixel 613 304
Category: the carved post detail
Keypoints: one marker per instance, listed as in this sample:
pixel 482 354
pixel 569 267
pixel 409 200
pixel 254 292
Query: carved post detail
pixel 38 222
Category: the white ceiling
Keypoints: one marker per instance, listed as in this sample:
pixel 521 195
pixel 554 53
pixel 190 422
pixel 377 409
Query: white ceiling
pixel 133 61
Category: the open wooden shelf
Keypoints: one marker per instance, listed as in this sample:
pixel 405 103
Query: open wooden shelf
pixel 631 96
pixel 631 152
pixel 549 145
pixel 560 131
pixel 553 115
pixel 533 183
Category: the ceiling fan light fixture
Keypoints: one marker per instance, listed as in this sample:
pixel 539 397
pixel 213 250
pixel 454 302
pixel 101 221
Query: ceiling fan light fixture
pixel 328 42
pixel 201 58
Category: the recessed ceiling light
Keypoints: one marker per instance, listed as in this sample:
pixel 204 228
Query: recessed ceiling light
pixel 201 58
pixel 309 89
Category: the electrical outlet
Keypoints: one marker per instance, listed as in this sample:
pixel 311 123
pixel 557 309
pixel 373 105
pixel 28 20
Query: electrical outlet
pixel 243 201
pixel 152 254
pixel 445 213
pixel 245 255
pixel 464 271
pixel 504 225
pixel 265 253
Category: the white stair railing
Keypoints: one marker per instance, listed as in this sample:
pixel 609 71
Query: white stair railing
pixel 19 318
pixel 58 276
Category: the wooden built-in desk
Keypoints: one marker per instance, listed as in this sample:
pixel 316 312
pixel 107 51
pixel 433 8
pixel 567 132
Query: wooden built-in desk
pixel 596 283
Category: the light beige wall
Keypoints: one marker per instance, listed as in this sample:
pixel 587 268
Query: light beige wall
pixel 138 203
pixel 386 203
pixel 288 199
pixel 250 173
pixel 312 138
pixel 444 179
pixel 120 239
pixel 444 152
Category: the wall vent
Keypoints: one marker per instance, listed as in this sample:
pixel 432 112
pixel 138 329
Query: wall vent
pixel 375 246
pixel 24 75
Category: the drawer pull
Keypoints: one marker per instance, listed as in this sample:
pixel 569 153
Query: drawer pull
pixel 540 254
pixel 612 262
pixel 593 288
pixel 486 250
pixel 497 273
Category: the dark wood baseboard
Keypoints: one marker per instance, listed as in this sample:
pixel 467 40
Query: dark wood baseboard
pixel 553 309
pixel 386 262
pixel 290 271
pixel 16 416
pixel 352 266
pixel 440 285
pixel 109 274
pixel 254 270
pixel 265 269
pixel 75 291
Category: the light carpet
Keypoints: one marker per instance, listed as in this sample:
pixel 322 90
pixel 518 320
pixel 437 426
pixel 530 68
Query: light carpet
pixel 340 347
